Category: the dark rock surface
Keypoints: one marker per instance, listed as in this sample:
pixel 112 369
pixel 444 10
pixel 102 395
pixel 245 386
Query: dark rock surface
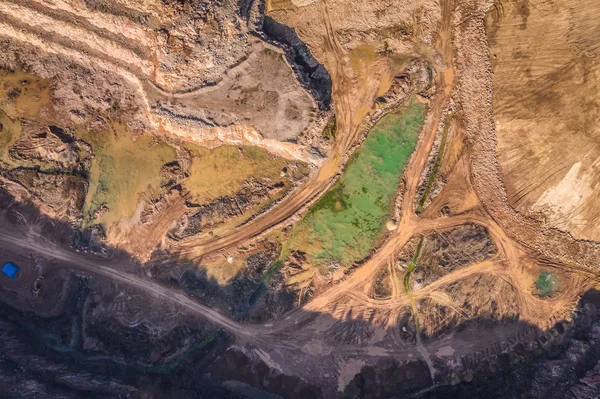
pixel 310 72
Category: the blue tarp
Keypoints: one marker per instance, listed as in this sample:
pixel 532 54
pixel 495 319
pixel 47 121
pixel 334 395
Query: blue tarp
pixel 10 269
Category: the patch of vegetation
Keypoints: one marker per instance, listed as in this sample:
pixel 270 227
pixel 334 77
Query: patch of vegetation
pixel 546 283
pixel 274 5
pixel 330 129
pixel 123 169
pixel 361 57
pixel 222 171
pixel 275 266
pixel 23 94
pixel 262 287
pixel 436 166
pixel 348 221
pixel 9 134
pixel 412 265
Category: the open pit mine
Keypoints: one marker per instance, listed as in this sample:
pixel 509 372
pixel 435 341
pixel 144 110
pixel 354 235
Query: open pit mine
pixel 300 199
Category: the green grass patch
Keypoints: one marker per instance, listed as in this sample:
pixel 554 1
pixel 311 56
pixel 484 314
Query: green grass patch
pixel 222 171
pixel 123 169
pixel 546 283
pixel 412 266
pixel 348 221
pixel 330 129
pixel 436 166
pixel 23 95
pixel 10 133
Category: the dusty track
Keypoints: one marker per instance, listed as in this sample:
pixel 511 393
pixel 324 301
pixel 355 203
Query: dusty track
pixel 105 269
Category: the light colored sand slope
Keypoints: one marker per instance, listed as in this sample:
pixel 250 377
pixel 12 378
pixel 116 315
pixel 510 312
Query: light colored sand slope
pixel 546 109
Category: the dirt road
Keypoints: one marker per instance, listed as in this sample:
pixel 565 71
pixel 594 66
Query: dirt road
pixel 104 268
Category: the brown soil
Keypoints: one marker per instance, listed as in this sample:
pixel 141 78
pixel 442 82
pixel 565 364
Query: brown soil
pixel 546 110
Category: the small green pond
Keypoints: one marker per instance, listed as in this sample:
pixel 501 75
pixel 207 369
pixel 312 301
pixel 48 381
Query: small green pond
pixel 546 283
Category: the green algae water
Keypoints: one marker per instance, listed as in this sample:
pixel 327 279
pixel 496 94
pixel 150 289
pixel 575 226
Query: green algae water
pixel 546 283
pixel 346 224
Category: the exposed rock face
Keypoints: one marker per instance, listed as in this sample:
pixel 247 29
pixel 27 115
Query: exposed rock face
pixel 60 195
pixel 311 73
pixel 261 89
pixel 203 217
pixel 194 41
pixel 180 66
pixel 52 147
pixel 49 166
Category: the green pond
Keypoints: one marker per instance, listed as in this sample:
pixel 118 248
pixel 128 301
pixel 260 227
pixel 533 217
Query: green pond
pixel 348 221
pixel 546 283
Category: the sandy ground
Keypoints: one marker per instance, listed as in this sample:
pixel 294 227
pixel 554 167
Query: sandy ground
pixel 546 80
